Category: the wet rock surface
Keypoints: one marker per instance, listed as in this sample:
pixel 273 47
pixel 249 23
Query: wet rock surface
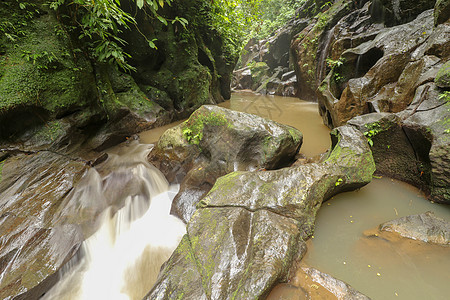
pixel 216 141
pixel 425 227
pixel 251 227
pixel 319 285
pixel 387 70
pixel 413 145
pixel 35 244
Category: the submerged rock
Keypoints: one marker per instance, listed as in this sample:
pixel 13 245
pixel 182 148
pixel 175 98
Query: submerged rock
pixel 425 227
pixel 216 141
pixel 319 285
pixel 252 226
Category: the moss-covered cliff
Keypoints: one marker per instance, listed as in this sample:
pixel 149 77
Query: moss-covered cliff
pixel 48 75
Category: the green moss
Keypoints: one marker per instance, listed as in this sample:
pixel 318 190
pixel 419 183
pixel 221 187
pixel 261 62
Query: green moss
pixel 296 135
pixel 193 128
pixel 41 70
pixel 442 79
pixel 50 132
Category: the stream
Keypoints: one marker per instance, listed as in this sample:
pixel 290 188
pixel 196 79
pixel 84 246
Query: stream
pixel 121 260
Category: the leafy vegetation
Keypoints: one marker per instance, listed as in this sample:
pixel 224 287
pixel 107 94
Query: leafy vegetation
pixel 372 130
pixel 274 15
pixel 102 21
pixel 334 66
pixel 445 96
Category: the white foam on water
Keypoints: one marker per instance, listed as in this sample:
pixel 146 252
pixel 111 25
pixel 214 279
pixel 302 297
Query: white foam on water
pixel 121 260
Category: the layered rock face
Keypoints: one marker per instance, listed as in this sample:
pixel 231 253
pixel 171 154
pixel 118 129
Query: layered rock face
pixel 358 58
pixel 250 228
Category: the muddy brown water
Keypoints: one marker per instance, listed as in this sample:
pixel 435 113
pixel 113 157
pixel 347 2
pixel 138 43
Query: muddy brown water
pixel 381 269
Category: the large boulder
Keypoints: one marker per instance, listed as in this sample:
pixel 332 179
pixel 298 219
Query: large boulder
pixel 251 226
pixel 215 141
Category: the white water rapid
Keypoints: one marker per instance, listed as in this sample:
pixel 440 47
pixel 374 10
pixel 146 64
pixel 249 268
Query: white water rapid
pixel 122 259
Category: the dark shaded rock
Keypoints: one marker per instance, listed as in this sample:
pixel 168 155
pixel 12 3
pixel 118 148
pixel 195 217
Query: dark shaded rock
pixel 308 45
pixel 251 226
pixel 441 11
pixel 430 119
pixel 425 227
pixel 216 141
pixel 35 245
pixel 414 145
pixel 242 79
pixel 392 150
pixel 442 79
pixel 193 65
pixel 276 52
pixel 404 11
pixel 128 108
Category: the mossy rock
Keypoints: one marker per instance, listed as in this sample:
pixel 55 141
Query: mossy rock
pixel 441 11
pixel 442 79
pixel 42 77
pixel 215 141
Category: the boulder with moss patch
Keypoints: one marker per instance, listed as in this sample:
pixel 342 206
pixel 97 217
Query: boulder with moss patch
pixel 215 141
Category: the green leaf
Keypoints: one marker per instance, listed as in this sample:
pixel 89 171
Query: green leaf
pixel 162 20
pixel 140 3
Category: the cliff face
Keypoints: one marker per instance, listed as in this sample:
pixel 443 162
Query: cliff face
pixel 50 87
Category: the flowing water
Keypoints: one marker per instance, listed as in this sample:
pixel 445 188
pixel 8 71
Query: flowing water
pixel 122 259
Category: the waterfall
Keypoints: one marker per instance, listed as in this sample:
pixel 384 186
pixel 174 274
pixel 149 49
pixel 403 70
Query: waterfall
pixel 122 259
pixel 324 49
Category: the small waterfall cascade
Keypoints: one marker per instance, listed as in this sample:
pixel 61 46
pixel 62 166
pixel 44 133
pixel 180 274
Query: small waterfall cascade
pixel 324 49
pixel 136 234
